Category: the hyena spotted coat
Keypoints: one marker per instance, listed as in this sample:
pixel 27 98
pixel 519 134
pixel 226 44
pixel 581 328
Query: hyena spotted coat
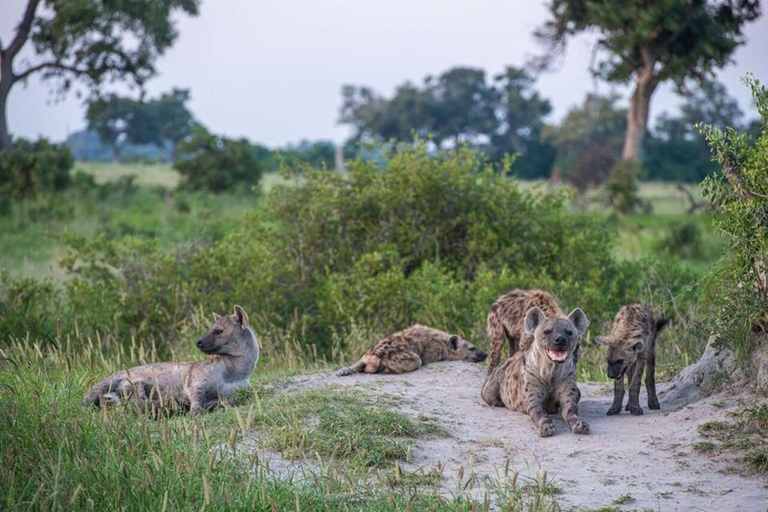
pixel 506 321
pixel 196 386
pixel 408 350
pixel 632 350
pixel 541 377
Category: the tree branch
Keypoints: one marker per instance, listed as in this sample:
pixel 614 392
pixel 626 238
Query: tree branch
pixel 22 31
pixel 46 65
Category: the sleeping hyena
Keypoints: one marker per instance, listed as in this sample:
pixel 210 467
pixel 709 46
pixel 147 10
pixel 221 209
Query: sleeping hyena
pixel 506 321
pixel 632 349
pixel 541 377
pixel 408 350
pixel 196 386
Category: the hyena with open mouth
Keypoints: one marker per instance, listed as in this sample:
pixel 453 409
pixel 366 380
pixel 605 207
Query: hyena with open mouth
pixel 196 386
pixel 540 376
pixel 632 350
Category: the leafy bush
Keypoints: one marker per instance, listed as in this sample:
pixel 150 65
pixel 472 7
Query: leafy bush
pixel 740 195
pixel 334 261
pixel 210 162
pixel 33 168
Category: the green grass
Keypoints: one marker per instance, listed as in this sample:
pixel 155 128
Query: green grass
pixel 745 435
pixel 347 447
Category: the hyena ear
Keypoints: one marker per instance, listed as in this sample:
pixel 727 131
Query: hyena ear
pixel 453 342
pixel 216 317
pixel 601 340
pixel 241 316
pixel 579 320
pixel 533 318
pixel 637 347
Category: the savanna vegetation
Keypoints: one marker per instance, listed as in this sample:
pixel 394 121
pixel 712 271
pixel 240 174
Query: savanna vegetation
pixel 109 265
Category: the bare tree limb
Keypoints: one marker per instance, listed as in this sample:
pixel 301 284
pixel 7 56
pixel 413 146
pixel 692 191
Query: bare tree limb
pixel 22 31
pixel 47 65
pixel 693 205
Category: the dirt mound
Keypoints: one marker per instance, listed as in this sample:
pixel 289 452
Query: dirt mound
pixel 648 457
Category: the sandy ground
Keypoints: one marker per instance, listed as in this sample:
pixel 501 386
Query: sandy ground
pixel 648 457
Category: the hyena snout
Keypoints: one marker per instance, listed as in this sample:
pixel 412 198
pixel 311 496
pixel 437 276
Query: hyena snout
pixel 479 355
pixel 205 344
pixel 561 341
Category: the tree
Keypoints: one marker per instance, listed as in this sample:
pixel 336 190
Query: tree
pixel 460 106
pixel 159 121
pixel 89 41
pixel 588 141
pixel 675 150
pixel 648 42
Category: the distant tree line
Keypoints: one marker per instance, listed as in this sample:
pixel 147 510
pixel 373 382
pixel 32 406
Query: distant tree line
pixel 507 115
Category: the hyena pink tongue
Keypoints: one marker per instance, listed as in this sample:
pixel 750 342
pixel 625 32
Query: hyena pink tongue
pixel 557 355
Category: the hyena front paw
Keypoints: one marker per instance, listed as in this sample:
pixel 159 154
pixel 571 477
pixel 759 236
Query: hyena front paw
pixel 547 429
pixel 653 403
pixel 614 410
pixel 580 427
pixel 635 410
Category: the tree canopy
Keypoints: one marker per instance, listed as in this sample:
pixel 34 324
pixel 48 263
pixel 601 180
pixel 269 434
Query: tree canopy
pixel 89 41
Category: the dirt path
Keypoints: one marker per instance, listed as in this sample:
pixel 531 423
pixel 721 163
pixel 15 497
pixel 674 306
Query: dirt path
pixel 648 457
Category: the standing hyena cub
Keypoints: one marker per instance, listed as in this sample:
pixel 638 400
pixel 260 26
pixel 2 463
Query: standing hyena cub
pixel 540 375
pixel 197 386
pixel 632 349
pixel 408 350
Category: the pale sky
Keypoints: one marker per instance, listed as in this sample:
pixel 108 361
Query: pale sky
pixel 272 70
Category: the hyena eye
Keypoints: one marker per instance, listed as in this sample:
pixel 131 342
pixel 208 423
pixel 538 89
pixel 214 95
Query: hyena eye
pixel 619 361
pixel 218 331
pixel 547 331
pixel 569 332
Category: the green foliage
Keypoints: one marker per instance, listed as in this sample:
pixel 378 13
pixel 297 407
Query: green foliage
pixel 458 107
pixel 676 151
pixel 334 262
pixel 588 141
pixel 622 188
pixel 740 194
pixel 211 162
pixel 119 120
pixel 31 169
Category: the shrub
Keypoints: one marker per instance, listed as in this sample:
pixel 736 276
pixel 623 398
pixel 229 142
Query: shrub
pixel 30 168
pixel 740 196
pixel 215 163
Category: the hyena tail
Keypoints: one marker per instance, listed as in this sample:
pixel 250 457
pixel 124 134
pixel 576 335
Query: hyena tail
pixel 661 323
pixel 497 337
pixel 104 392
pixel 351 370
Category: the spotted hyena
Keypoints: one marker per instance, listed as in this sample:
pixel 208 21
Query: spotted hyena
pixel 506 321
pixel 193 386
pixel 541 377
pixel 408 350
pixel 632 349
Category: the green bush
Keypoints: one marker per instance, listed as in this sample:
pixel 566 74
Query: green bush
pixel 30 169
pixel 740 195
pixel 210 162
pixel 427 238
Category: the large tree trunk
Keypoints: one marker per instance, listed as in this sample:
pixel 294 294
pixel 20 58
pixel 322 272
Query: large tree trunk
pixel 637 117
pixel 6 81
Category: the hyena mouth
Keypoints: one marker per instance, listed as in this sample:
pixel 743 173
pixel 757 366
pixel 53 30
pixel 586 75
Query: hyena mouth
pixel 557 356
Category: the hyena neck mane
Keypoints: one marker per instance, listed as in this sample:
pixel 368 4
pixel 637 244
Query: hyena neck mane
pixel 239 364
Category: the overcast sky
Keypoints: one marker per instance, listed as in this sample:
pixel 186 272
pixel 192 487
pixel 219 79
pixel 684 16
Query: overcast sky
pixel 272 70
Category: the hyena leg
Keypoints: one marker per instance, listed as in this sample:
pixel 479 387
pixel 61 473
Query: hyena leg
pixel 568 396
pixel 618 396
pixel 633 404
pixel 492 389
pixel 650 382
pixel 358 367
pixel 534 405
pixel 495 333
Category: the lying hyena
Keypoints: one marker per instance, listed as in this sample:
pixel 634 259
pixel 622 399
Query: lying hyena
pixel 632 349
pixel 506 321
pixel 541 377
pixel 196 386
pixel 408 350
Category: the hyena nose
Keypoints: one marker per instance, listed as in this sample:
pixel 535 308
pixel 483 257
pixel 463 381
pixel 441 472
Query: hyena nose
pixel 560 340
pixel 199 343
